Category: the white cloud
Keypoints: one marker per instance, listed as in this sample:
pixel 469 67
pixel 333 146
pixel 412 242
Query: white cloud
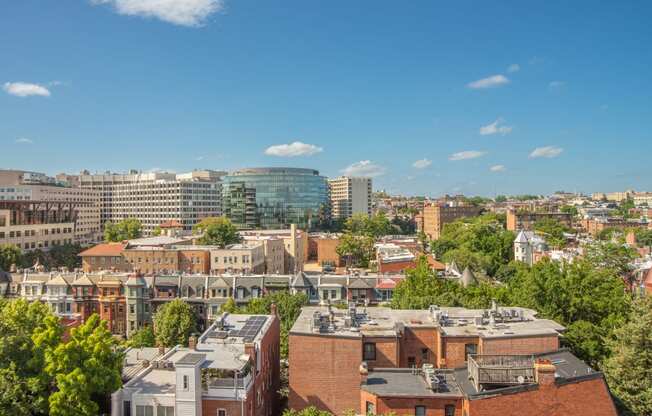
pixel 24 140
pixel 25 89
pixel 293 149
pixel 199 158
pixel 489 82
pixel 422 163
pixel 556 84
pixel 467 154
pixel 495 128
pixel 498 168
pixel 363 168
pixel 191 13
pixel 513 68
pixel 546 151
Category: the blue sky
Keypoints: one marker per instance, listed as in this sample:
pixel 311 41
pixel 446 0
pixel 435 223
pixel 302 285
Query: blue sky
pixel 393 89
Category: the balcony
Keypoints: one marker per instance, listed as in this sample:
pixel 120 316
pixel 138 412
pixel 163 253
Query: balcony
pixel 500 370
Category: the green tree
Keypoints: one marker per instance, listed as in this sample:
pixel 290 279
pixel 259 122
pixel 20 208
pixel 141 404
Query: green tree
pixel 569 209
pixel 500 198
pixel 9 254
pixel 610 256
pixel 157 231
pixel 481 243
pixel 643 237
pixel 629 368
pixel 86 367
pixel 218 231
pixel 65 255
pixel 127 229
pixel 288 307
pixel 553 231
pixel 144 337
pixel 589 300
pixel 357 250
pixel 29 331
pixel 174 322
pixel 308 411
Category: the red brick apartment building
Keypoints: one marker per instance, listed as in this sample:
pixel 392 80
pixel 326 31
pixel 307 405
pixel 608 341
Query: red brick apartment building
pixel 439 362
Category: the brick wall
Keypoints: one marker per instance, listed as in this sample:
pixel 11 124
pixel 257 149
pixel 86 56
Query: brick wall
pixel 395 267
pixel 387 352
pixel 454 350
pixel 522 345
pixel 414 341
pixel 406 405
pixel 324 372
pixel 590 398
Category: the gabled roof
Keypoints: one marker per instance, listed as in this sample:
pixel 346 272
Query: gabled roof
pixel 104 249
pixel 300 280
pixel 468 278
pixel 136 280
pixel 83 280
pixel 521 238
pixel 59 280
pixel 434 264
pixel 218 282
pixel 453 268
pixel 359 284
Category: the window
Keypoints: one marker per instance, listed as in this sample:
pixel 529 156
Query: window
pixel 369 352
pixel 144 411
pixel 470 349
pixel 449 410
pixel 371 408
pixel 221 412
pixel 420 411
pixel 424 354
pixel 132 308
pixel 185 382
pixel 165 411
pixel 412 362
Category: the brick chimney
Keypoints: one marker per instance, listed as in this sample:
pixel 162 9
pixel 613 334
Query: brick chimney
pixel 273 309
pixel 364 372
pixel 192 342
pixel 544 372
pixel 250 350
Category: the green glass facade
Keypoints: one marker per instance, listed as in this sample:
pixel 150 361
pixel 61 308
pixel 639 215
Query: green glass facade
pixel 274 198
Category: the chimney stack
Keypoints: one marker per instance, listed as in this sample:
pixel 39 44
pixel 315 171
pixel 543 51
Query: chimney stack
pixel 192 342
pixel 273 309
pixel 544 372
pixel 364 372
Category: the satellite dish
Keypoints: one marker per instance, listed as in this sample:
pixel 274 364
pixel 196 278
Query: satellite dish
pixel 520 379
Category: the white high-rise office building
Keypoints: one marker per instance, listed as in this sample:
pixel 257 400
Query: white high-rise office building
pixel 154 198
pixel 349 195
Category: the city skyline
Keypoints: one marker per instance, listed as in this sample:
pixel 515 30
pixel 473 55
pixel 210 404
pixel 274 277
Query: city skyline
pixel 427 99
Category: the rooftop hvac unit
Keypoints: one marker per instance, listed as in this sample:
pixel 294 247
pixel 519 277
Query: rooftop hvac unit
pixel 428 368
pixel 433 382
pixel 478 320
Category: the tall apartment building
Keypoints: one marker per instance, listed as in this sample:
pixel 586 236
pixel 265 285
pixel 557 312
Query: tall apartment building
pixel 349 196
pixel 435 216
pixel 154 198
pixel 36 213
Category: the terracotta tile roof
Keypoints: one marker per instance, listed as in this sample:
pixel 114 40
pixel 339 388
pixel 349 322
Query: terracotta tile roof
pixel 171 224
pixel 104 249
pixel 434 264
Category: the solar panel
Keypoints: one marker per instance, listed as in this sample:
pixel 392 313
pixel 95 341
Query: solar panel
pixel 250 328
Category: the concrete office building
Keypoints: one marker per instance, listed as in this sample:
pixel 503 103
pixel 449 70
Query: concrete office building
pixel 349 196
pixel 35 213
pixel 154 198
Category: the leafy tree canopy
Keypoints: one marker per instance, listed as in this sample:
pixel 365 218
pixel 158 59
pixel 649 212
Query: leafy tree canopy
pixel 127 229
pixel 629 368
pixel 174 322
pixel 218 231
pixel 9 254
pixel 481 243
pixel 553 231
pixel 144 337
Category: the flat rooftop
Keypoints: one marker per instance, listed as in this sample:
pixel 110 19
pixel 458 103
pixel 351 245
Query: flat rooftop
pixel 450 321
pixel 401 382
pixel 224 352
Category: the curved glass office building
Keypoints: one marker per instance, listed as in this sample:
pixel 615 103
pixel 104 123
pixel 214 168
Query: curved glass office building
pixel 274 198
